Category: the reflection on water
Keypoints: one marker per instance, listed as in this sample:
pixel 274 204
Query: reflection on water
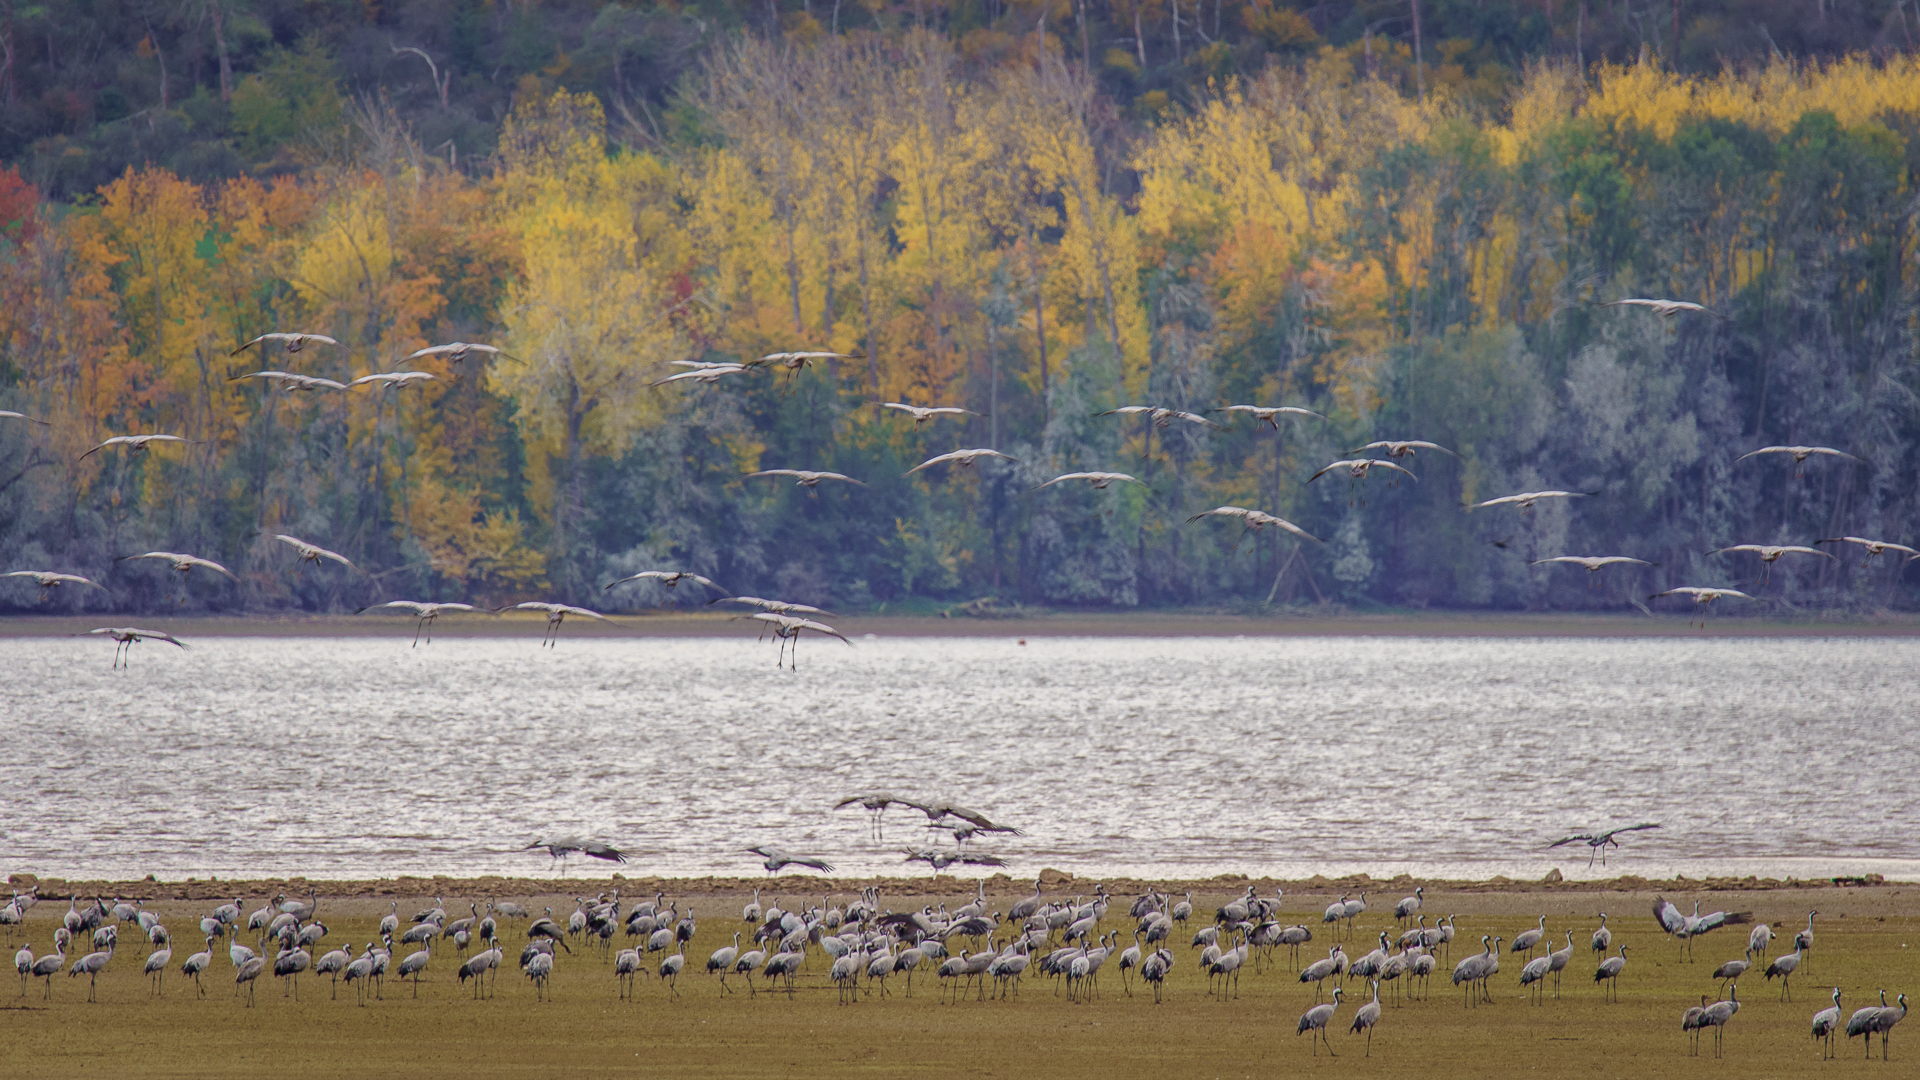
pixel 1180 757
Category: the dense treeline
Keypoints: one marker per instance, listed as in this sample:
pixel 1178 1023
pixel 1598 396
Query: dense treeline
pixel 211 89
pixel 1399 254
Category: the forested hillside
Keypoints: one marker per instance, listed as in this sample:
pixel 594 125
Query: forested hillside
pixel 1035 213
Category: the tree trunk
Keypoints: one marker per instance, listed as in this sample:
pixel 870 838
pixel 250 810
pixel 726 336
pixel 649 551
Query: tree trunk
pixel 993 394
pixel 1039 322
pixel 162 57
pixel 570 500
pixel 220 45
pixel 1146 475
pixel 1086 52
pixel 6 43
pixel 1419 58
pixel 793 271
pixel 866 313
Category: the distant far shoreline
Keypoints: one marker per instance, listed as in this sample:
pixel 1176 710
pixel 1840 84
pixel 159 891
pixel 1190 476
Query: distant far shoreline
pixel 1294 622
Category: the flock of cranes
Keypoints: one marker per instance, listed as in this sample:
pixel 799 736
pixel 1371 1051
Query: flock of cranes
pixel 973 948
pixel 789 625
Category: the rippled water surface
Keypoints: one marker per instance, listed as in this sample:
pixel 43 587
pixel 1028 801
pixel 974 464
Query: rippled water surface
pixel 1160 757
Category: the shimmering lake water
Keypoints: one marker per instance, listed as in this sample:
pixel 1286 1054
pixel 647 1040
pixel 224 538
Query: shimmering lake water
pixel 1177 757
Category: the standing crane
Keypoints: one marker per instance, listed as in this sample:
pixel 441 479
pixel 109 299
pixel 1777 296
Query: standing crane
pixel 1366 1017
pixel 1825 1023
pixel 1718 1014
pixel 197 964
pixel 47 967
pixel 1883 1022
pixel 1535 975
pixel 1557 962
pixel 1691 1021
pixel 1474 970
pixel 1609 972
pixel 249 973
pixel 156 966
pixel 1409 906
pixel 1783 966
pixel 1803 941
pixel 1526 940
pixel 415 963
pixel 1314 1020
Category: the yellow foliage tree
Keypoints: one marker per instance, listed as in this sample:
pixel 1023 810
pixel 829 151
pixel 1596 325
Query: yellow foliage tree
pixel 602 300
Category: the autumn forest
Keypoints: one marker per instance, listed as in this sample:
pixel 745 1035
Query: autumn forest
pixel 1408 221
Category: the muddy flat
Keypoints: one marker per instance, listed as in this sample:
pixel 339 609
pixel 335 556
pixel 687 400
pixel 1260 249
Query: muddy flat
pixel 1865 937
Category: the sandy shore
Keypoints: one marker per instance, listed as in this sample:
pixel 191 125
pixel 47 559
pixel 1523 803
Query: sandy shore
pixel 1871 895
pixel 1291 623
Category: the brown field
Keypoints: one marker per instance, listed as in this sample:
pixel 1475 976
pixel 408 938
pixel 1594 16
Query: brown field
pixel 1863 937
pixel 1291 622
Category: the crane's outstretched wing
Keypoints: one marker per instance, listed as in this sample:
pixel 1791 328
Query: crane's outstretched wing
pixel 298 338
pixel 1592 562
pixel 1222 511
pixel 975 817
pixel 460 347
pixel 819 628
pixel 136 441
pixel 598 850
pixel 1669 916
pixel 45 578
pixel 1192 418
pixel 1265 413
pixel 314 550
pixel 414 606
pixel 1101 478
pixel 195 560
pixel 1870 544
pixel 1398 444
pixel 1530 496
pixel 699 374
pixel 964 456
pixel 1797 451
pixel 392 378
pixel 1717 919
pixel 1634 828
